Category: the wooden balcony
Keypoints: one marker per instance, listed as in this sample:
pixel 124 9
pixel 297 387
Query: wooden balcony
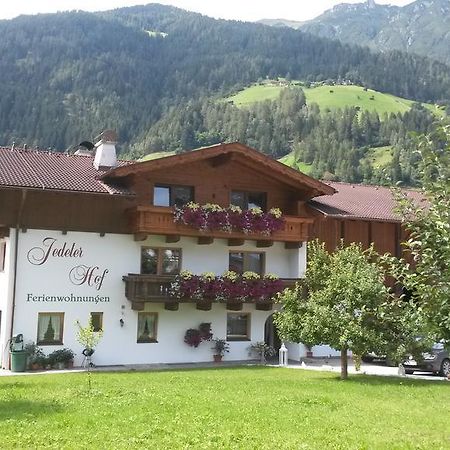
pixel 148 220
pixel 141 289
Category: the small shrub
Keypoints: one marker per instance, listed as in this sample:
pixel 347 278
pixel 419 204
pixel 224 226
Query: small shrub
pixel 63 356
pixel 261 350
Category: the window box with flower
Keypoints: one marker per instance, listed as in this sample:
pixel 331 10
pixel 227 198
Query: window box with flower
pixel 231 288
pixel 212 217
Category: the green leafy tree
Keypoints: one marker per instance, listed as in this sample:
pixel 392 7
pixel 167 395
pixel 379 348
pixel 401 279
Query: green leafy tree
pixel 347 306
pixel 86 335
pixel 425 270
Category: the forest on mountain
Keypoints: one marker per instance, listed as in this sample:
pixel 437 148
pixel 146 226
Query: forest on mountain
pixel 67 76
pixel 336 143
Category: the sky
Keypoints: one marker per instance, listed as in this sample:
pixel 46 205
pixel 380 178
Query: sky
pixel 248 10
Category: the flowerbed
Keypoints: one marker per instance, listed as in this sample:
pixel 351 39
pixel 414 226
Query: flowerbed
pixel 246 287
pixel 211 217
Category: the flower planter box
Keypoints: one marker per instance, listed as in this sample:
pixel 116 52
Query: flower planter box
pixel 145 220
pixel 234 305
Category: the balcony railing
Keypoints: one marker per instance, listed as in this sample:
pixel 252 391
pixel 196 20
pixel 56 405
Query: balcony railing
pixel 145 220
pixel 141 289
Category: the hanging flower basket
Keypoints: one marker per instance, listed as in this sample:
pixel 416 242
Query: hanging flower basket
pixel 195 336
pixel 211 217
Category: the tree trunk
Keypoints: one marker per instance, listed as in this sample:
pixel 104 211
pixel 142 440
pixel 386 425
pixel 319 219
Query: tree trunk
pixel 344 364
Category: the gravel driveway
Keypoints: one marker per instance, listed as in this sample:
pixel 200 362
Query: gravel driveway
pixel 334 365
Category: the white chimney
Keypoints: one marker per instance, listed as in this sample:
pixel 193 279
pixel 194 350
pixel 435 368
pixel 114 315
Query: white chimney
pixel 105 150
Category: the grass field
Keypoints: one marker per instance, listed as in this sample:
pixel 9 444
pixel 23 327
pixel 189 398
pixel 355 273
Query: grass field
pixel 256 93
pixel 380 157
pixel 291 161
pixel 332 97
pixel 240 408
pixel 341 96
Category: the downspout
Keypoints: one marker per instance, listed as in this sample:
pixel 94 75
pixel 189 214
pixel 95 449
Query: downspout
pixel 16 251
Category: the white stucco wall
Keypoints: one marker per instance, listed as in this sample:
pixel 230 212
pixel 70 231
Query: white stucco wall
pixel 296 352
pixel 6 281
pixel 120 255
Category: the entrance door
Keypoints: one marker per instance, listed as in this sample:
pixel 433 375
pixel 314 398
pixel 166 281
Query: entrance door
pixel 271 335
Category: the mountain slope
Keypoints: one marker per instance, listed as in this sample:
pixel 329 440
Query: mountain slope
pixel 331 96
pixel 67 76
pixel 422 27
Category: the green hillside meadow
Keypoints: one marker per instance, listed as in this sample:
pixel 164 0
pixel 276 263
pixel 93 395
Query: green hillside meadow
pixel 332 97
pixel 291 161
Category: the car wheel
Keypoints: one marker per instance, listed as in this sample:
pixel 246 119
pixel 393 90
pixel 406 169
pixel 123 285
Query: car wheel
pixel 409 372
pixel 445 368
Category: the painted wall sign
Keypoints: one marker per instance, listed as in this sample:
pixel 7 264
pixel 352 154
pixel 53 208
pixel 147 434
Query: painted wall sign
pixel 43 298
pixel 92 276
pixel 40 255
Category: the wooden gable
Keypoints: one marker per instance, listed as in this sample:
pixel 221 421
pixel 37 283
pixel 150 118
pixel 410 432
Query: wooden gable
pixel 215 171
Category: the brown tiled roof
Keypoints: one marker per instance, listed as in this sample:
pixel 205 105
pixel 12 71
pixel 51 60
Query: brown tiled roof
pixel 51 170
pixel 359 201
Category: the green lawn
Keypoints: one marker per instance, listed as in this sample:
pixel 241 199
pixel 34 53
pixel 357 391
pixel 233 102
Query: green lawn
pixel 231 408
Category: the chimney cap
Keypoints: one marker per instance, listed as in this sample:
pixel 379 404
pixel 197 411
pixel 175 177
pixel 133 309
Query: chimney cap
pixel 108 136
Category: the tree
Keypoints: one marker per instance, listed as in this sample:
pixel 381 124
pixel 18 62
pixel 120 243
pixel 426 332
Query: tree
pixel 347 305
pixel 425 271
pixel 89 339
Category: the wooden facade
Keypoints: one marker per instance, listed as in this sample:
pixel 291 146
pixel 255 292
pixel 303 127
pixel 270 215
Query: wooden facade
pixel 211 173
pixel 386 236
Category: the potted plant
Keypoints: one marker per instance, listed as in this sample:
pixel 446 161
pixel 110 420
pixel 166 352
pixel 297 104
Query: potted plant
pixel 41 362
pixel 220 347
pixel 61 359
pixel 35 356
pixel 261 350
pixel 66 357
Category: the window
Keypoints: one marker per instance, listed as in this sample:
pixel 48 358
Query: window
pixel 172 195
pixel 241 262
pixel 147 323
pixel 248 200
pixel 97 321
pixel 2 255
pixel 238 327
pixel 50 328
pixel 160 261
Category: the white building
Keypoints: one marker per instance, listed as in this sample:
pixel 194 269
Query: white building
pixel 90 236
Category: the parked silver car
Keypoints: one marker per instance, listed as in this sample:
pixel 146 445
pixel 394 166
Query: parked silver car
pixel 437 360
